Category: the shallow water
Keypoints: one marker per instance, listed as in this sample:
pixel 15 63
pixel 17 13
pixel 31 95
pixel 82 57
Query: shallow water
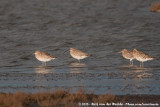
pixel 98 27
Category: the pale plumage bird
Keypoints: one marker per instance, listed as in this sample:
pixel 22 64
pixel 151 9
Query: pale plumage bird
pixel 141 56
pixel 78 54
pixel 127 54
pixel 43 57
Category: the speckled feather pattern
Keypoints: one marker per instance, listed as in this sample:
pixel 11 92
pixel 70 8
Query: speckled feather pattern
pixel 127 54
pixel 141 56
pixel 42 56
pixel 78 54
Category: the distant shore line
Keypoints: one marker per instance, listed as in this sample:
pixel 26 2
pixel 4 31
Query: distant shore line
pixel 64 98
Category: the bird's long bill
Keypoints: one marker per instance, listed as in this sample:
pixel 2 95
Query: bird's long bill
pixel 90 55
pixel 119 52
pixel 54 58
pixel 65 51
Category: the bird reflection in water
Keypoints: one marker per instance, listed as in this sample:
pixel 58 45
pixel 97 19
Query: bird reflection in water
pixel 138 69
pixel 136 72
pixel 42 78
pixel 141 73
pixel 43 69
pixel 129 66
pixel 77 67
pixel 144 75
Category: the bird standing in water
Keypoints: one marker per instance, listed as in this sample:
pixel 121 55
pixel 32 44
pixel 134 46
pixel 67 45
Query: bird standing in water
pixel 127 54
pixel 43 57
pixel 78 54
pixel 141 56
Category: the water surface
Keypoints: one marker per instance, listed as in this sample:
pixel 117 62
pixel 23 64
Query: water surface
pixel 98 27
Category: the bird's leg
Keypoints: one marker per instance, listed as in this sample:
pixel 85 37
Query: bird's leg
pixel 142 64
pixel 79 60
pixel 43 63
pixel 131 62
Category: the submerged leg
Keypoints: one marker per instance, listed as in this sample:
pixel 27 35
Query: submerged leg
pixel 131 62
pixel 142 64
pixel 44 63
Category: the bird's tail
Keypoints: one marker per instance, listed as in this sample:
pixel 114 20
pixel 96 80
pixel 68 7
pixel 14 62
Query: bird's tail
pixel 89 54
pixel 54 58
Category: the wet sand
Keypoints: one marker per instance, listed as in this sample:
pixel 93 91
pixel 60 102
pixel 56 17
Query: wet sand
pixel 125 80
